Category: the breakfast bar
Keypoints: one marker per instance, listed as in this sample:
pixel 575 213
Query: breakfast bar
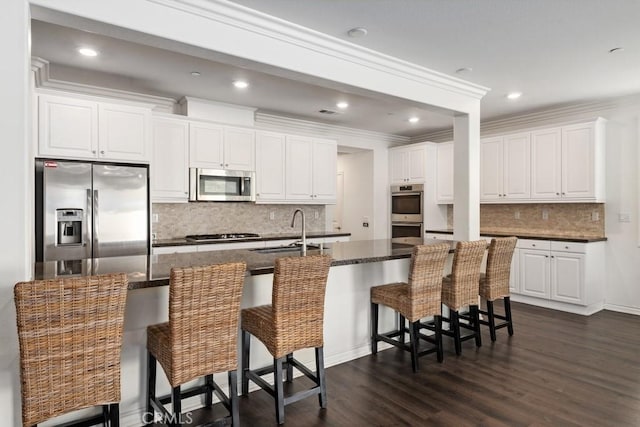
pixel 356 266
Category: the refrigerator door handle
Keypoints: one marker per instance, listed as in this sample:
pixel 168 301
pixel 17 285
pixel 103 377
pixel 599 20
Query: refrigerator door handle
pixel 96 222
pixel 88 226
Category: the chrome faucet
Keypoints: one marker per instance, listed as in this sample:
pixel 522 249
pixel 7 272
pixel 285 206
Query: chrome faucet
pixel 303 249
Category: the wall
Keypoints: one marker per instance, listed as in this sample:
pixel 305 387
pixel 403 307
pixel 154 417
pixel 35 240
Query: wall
pixel 357 169
pixel 176 220
pixel 564 219
pixel 16 193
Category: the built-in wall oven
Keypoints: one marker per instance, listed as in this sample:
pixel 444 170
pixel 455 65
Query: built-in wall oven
pixel 406 213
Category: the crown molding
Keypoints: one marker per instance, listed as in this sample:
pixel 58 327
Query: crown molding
pixel 265 121
pixel 549 116
pixel 251 20
pixel 42 79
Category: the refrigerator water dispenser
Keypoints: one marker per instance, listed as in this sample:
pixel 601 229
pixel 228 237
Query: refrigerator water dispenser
pixel 69 223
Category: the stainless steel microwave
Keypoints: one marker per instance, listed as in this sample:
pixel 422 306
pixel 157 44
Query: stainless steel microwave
pixel 220 185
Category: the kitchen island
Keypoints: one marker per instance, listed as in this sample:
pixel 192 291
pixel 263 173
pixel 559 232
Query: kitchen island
pixel 356 267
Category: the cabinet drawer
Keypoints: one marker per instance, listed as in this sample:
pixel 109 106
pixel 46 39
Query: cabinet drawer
pixel 569 247
pixel 437 236
pixel 534 244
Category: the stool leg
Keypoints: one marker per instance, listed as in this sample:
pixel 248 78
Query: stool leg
pixel 176 403
pixel 507 312
pixel 374 328
pixel 322 397
pixel 492 320
pixel 233 398
pixel 278 390
pixel 114 415
pixel 438 337
pixel 413 342
pixel 401 328
pixel 475 315
pixel 151 383
pixel 455 324
pixel 289 371
pixel 246 342
pixel 106 415
pixel 208 397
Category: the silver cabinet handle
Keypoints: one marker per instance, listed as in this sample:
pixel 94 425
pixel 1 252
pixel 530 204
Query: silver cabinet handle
pixel 93 151
pixel 102 152
pixel 557 194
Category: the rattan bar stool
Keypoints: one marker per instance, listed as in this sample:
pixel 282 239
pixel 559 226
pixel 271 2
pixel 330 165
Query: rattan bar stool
pixel 460 289
pixel 418 298
pixel 495 284
pixel 199 340
pixel 293 321
pixel 70 335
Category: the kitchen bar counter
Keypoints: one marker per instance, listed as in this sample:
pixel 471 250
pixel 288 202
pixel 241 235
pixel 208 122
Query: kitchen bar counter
pixel 263 237
pixel 150 271
pixel 529 235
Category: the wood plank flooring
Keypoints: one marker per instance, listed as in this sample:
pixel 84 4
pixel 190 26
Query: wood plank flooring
pixel 559 369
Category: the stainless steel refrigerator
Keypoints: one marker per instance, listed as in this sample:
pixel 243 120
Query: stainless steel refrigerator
pixel 90 210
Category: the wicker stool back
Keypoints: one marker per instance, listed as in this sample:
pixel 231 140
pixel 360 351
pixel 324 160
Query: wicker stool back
pixel 70 334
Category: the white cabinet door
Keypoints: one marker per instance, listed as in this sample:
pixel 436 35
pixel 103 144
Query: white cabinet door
pixel 546 163
pixel 299 168
pixel 239 149
pixel 534 273
pixel 514 276
pixel 170 162
pixel 270 169
pixel 444 173
pixel 516 176
pixel 124 133
pixel 397 159
pixel 491 169
pixel 415 164
pixel 67 127
pixel 578 164
pixel 206 146
pixel 567 277
pixel 324 171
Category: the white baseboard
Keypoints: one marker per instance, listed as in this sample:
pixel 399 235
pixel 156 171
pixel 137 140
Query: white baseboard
pixel 556 305
pixel 622 309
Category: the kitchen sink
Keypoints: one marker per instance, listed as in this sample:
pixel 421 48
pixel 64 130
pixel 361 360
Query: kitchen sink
pixel 284 249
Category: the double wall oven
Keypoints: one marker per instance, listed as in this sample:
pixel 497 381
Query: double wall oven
pixel 406 213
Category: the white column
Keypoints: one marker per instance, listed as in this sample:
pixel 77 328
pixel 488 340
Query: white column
pixel 17 192
pixel 466 181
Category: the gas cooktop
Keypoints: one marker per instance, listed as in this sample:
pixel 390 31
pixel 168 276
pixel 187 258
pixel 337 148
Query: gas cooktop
pixel 221 236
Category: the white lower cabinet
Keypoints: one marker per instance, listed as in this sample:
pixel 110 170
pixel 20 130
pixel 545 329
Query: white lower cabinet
pixel 562 272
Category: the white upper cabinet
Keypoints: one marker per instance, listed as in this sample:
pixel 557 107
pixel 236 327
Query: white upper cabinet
pixel 221 147
pixel 170 162
pixel 505 168
pixel 407 164
pixel 295 169
pixel 444 173
pixel 270 171
pixel 91 130
pixel 567 163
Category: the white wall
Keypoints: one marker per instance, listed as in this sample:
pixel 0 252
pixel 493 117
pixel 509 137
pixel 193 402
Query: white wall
pixel 358 194
pixel 15 215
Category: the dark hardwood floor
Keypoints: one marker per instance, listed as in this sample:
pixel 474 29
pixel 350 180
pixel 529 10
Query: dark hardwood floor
pixel 559 369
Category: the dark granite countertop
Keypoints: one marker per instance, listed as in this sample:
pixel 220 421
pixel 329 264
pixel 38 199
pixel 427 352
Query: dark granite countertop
pixel 532 235
pixel 263 237
pixel 153 270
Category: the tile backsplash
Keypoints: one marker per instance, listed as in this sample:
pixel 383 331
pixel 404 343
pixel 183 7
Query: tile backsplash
pixel 563 219
pixel 176 220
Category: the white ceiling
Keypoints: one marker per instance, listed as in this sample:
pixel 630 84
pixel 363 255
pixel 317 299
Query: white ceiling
pixel 555 52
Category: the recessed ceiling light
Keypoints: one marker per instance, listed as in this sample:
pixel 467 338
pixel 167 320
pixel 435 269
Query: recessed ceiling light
pixel 240 84
pixel 616 49
pixel 514 95
pixel 342 105
pixel 414 119
pixel 195 73
pixel 87 51
pixel 357 32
